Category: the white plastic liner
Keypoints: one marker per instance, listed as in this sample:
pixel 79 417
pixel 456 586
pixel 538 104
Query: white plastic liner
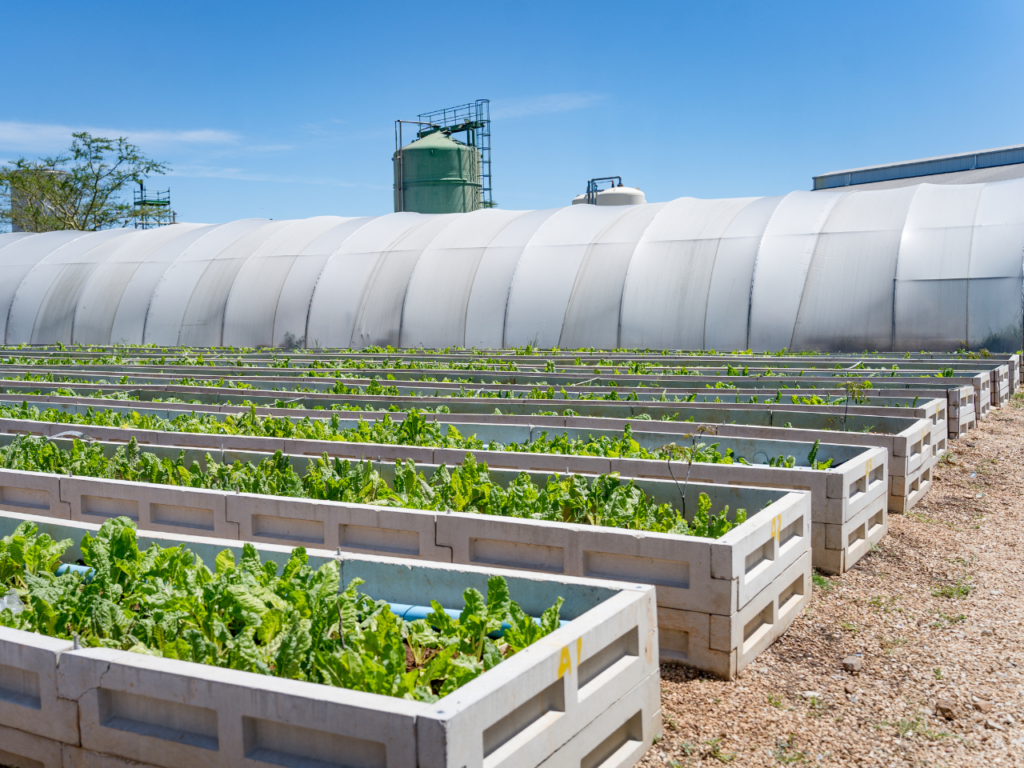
pixel 547 270
pixel 665 297
pixel 728 311
pixel 136 260
pixel 44 305
pixel 928 266
pixel 292 313
pixel 332 311
pixel 7 238
pixel 251 305
pixel 18 258
pixel 174 289
pixel 488 299
pixel 847 298
pixel 931 281
pixel 592 318
pixel 783 260
pixel 995 273
pixel 434 314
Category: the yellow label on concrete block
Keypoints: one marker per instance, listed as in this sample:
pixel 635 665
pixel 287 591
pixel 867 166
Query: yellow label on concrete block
pixel 565 665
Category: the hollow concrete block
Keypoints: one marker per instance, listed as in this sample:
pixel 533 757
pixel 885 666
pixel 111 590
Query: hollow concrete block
pixel 170 713
pixel 620 735
pixel 19 749
pixel 28 686
pixel 154 507
pixel 32 492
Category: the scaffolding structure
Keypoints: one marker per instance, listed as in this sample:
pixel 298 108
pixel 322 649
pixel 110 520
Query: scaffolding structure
pixel 473 119
pixel 153 207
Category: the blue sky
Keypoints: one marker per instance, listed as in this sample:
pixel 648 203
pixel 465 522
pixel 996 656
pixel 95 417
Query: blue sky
pixel 286 110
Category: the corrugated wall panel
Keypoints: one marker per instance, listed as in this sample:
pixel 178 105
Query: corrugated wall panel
pixel 434 314
pixel 547 271
pixel 488 299
pixel 251 305
pixel 780 269
pixel 847 300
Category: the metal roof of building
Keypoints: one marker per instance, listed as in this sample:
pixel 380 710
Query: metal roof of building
pixel 964 168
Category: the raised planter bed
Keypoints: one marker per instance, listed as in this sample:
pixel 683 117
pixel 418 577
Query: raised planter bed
pixel 99 706
pixel 720 601
pixel 854 490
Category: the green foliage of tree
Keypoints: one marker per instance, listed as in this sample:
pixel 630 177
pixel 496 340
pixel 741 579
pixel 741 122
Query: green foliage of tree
pixel 82 188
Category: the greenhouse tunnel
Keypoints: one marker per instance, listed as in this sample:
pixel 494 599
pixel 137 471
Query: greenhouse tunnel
pixel 917 267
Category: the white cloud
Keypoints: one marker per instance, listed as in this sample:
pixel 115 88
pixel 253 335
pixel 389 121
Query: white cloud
pixel 543 105
pixel 37 137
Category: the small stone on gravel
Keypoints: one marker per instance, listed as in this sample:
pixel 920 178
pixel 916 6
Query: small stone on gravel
pixel 850 687
pixel 983 706
pixel 852 664
pixel 945 708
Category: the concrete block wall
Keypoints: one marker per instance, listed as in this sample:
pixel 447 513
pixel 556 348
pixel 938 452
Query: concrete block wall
pixel 107 708
pixel 836 548
pixel 725 645
pixel 863 461
pixel 837 494
pixel 906 492
pixel 716 577
pixel 706 588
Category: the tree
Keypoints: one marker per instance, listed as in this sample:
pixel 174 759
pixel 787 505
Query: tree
pixel 83 188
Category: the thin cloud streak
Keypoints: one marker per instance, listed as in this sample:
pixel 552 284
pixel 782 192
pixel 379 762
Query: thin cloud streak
pixel 42 137
pixel 240 174
pixel 550 104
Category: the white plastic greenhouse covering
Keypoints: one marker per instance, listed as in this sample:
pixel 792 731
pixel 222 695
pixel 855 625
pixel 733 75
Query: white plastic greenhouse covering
pixel 919 267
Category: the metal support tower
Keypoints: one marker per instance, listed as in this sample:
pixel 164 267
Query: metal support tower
pixel 475 120
pixel 155 207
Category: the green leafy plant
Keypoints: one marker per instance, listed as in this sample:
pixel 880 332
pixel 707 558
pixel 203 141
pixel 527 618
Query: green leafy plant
pixel 246 615
pixel 602 500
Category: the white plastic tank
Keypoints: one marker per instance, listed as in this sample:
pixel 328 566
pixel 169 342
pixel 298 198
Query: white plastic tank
pixel 615 196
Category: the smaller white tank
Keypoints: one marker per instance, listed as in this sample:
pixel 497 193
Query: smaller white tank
pixel 615 196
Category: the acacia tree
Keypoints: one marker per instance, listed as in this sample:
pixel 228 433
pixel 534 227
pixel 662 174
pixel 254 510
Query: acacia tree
pixel 82 188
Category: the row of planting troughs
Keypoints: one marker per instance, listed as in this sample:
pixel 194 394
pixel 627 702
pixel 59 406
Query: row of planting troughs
pixel 409 558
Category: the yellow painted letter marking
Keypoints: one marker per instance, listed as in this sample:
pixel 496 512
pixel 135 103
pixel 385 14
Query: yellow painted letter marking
pixel 777 527
pixel 565 665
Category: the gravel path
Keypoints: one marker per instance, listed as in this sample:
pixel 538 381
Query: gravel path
pixel 933 615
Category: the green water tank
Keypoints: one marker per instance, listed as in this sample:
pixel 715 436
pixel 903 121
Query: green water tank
pixel 437 174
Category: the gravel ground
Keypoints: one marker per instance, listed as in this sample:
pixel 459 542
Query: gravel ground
pixel 935 617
